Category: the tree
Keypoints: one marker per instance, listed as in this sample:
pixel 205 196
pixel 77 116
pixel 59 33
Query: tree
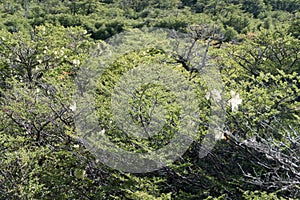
pixel 36 121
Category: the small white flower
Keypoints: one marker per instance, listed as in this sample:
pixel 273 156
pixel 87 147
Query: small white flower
pixel 219 135
pixel 76 62
pixel 73 107
pixel 102 132
pixel 207 95
pixel 235 101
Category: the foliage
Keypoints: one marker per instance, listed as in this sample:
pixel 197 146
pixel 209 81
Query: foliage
pixel 255 45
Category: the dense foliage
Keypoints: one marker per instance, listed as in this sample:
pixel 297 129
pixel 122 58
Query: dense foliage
pixel 255 46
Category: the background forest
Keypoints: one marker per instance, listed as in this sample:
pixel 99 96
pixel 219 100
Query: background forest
pixel 255 45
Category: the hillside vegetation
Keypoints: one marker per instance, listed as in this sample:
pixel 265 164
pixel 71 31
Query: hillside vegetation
pixel 254 45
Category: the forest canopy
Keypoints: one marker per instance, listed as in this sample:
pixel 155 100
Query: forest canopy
pixel 46 46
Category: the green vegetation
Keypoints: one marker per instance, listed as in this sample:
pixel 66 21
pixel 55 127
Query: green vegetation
pixel 254 44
